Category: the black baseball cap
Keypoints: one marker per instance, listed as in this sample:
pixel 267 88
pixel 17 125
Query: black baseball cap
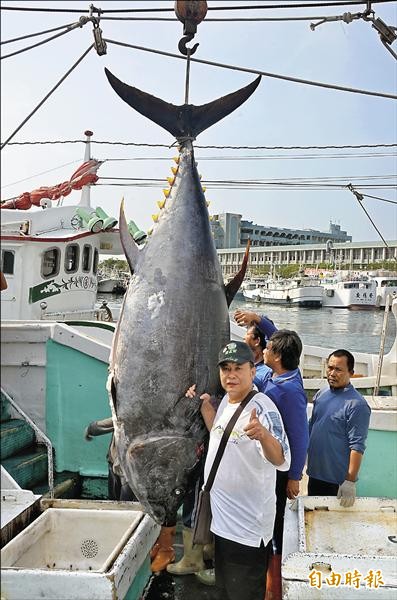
pixel 237 352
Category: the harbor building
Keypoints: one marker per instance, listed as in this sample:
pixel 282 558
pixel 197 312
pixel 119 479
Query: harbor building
pixel 351 255
pixel 230 231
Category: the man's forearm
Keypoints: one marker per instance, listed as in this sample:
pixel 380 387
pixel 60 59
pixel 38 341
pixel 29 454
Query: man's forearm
pixel 208 413
pixel 272 449
pixel 354 465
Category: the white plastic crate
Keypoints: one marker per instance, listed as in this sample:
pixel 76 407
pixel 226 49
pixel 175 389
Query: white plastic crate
pixel 322 537
pixel 75 553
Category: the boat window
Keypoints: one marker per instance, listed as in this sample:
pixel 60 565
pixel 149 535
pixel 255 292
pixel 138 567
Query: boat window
pixel 389 283
pixel 86 260
pixel 50 262
pixel 96 260
pixel 7 262
pixel 72 258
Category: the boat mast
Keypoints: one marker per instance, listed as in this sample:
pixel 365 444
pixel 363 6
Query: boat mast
pixel 85 199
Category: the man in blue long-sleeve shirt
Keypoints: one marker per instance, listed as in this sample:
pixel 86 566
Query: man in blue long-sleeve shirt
pixel 285 387
pixel 338 432
pixel 257 341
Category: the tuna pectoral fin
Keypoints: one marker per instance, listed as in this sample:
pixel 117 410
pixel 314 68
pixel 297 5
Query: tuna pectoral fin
pixel 232 287
pixel 129 246
pixel 182 121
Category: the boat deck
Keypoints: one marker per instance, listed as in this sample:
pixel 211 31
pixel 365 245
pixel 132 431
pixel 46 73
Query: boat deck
pixel 183 587
pixel 167 587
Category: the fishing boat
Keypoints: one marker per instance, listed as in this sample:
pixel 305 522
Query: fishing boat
pixel 50 253
pixel 299 291
pixel 111 282
pixel 61 538
pixel 54 367
pixel 385 285
pixel 53 384
pixel 356 294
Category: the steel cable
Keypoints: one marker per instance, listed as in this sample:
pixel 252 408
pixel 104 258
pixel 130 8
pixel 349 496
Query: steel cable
pixel 256 71
pixel 52 37
pixel 47 96
pixel 29 35
pixel 210 8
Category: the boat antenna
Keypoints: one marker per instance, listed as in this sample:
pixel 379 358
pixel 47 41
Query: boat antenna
pixel 190 13
pixel 85 199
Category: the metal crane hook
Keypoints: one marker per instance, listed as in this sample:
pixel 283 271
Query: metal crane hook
pixel 182 45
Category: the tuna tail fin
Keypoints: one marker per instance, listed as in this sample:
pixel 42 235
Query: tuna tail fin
pixel 186 120
pixel 129 246
pixel 232 287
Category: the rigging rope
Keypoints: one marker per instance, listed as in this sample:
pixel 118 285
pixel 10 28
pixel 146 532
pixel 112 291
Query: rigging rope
pixel 49 39
pixel 227 8
pixel 47 96
pixel 24 37
pixel 359 197
pixel 212 147
pixel 377 198
pixel 217 20
pixel 255 71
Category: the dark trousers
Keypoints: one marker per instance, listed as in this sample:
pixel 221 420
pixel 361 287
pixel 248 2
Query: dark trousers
pixel 189 507
pixel 281 499
pixel 118 490
pixel 316 487
pixel 240 571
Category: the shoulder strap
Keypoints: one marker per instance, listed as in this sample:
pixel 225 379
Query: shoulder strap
pixel 225 437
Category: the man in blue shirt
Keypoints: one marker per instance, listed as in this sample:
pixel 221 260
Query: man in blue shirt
pixel 338 431
pixel 257 341
pixel 283 384
pixel 285 387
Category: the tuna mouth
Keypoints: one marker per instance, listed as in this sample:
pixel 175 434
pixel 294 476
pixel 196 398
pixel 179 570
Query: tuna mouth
pixel 157 511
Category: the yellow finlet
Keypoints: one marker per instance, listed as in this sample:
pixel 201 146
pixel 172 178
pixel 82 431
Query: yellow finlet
pixel 155 218
pixel 176 159
pixel 166 192
pixel 150 231
pixel 161 204
pixel 174 170
pixel 204 189
pixel 171 180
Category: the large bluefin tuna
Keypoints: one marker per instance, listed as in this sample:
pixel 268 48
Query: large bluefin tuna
pixel 174 320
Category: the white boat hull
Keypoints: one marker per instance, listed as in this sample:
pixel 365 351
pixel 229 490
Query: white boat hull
pixel 385 286
pixel 308 296
pixel 110 286
pixel 350 294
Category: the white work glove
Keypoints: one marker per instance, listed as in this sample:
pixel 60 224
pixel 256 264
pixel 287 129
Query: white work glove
pixel 347 493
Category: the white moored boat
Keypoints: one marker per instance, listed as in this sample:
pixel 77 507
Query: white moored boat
pixel 351 293
pixel 385 286
pixel 288 292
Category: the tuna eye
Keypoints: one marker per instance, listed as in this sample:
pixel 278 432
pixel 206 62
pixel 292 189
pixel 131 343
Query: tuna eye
pixel 179 491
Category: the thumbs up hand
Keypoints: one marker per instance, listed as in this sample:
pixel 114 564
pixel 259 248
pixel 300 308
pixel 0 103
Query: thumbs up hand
pixel 254 429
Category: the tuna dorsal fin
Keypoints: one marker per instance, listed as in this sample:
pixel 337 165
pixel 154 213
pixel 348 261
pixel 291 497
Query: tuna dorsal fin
pixel 129 246
pixel 232 287
pixel 186 120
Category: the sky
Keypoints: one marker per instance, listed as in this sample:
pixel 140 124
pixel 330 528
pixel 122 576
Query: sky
pixel 280 113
